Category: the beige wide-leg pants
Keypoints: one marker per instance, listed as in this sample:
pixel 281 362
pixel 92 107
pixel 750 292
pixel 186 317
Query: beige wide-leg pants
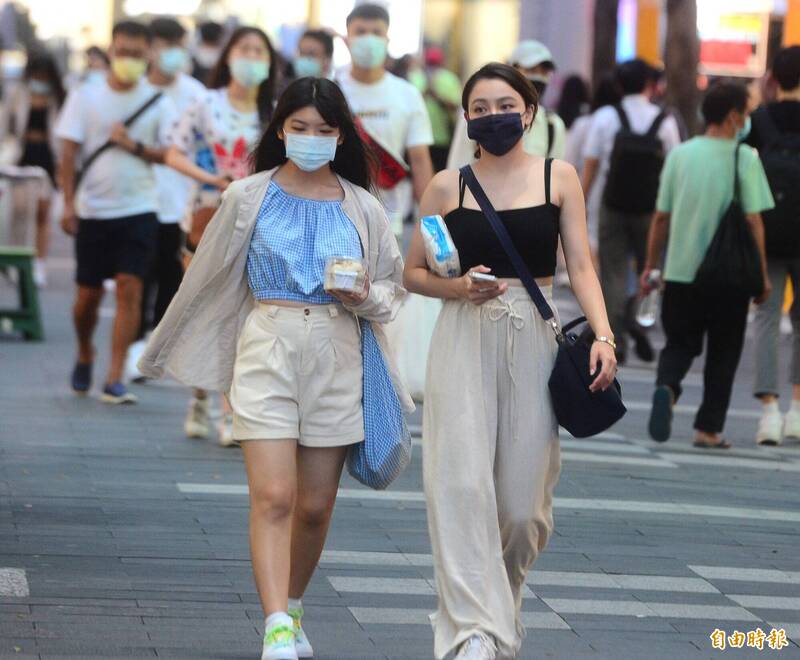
pixel 491 460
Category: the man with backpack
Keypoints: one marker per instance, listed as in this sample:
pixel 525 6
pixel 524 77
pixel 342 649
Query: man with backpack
pixel 113 130
pixel 627 143
pixel 710 186
pixel 776 134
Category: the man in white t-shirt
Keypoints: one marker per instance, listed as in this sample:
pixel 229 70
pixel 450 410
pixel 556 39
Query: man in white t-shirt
pixel 112 214
pixel 390 110
pixel 622 233
pixel 168 64
pixel 547 136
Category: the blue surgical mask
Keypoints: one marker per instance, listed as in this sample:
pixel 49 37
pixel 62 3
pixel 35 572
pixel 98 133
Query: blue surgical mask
pixel 172 60
pixel 39 87
pixel 307 66
pixel 744 131
pixel 249 73
pixel 368 51
pixel 310 152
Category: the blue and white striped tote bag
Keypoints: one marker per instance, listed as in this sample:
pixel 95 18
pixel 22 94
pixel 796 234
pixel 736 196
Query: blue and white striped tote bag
pixel 386 450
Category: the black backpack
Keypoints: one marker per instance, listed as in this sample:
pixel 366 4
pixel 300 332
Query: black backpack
pixel 780 155
pixel 635 167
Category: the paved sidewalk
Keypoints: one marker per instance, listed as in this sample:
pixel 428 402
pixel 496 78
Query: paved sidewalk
pixel 121 539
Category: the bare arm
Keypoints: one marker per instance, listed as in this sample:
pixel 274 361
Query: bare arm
pixel 177 160
pixel 120 137
pixel 416 276
pixel 756 226
pixel 590 168
pixel 582 276
pixel 656 239
pixel 69 152
pixel 419 159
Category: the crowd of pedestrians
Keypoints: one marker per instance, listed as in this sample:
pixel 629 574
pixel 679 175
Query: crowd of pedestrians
pixel 248 214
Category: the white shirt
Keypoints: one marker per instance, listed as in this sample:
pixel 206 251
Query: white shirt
pixel 534 141
pixel 175 189
pixel 118 184
pixel 393 112
pixel 605 126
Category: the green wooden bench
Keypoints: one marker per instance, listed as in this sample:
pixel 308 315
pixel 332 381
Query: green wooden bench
pixel 26 318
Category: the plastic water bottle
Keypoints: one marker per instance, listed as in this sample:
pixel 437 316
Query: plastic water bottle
pixel 648 307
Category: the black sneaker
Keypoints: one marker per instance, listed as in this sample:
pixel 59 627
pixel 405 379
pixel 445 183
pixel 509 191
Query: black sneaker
pixel 117 393
pixel 661 414
pixel 81 379
pixel 642 346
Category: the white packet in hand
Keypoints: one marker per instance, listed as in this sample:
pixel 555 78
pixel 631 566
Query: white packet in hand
pixel 345 274
pixel 440 252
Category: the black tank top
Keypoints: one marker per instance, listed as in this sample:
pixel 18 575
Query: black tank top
pixel 37 119
pixel 534 231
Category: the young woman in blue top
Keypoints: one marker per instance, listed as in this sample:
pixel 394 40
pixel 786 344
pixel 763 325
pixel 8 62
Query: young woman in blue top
pixel 252 318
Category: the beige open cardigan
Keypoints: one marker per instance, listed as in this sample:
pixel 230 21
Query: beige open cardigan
pixel 196 340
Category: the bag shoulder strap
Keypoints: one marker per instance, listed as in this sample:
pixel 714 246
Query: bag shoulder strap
pixel 107 145
pixel 508 245
pixel 551 132
pixel 656 125
pixel 548 166
pixel 736 184
pixel 623 118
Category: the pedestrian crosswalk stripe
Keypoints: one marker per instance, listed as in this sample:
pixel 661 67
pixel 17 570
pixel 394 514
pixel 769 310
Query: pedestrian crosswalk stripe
pixel 746 574
pixel 416 616
pixel 731 461
pixel 13 582
pixel 767 602
pixel 649 609
pixel 687 409
pixel 391 585
pixel 573 503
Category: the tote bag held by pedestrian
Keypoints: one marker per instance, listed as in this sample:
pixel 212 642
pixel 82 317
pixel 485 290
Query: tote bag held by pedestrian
pixel 581 412
pixel 386 449
pixel 732 262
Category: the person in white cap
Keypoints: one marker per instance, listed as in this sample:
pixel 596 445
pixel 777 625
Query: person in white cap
pixel 547 136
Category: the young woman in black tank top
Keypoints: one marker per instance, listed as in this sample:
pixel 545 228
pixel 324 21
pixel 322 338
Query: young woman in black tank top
pixel 491 456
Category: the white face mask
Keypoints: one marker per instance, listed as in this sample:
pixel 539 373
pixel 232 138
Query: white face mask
pixel 310 152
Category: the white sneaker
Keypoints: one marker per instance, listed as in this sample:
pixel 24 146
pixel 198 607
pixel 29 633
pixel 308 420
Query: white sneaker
pixel 39 273
pixel 225 432
pixel 478 647
pixel 301 645
pixel 791 425
pixel 135 351
pixel 279 639
pixel 197 419
pixel 770 429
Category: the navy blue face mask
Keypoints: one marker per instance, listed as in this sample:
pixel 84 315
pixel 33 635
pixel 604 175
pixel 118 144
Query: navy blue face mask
pixel 496 133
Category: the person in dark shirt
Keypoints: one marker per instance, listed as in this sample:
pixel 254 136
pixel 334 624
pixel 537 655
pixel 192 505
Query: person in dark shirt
pixel 784 114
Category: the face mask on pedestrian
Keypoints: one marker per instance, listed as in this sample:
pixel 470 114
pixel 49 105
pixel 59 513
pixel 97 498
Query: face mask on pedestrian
pixel 249 73
pixel 172 60
pixel 307 66
pixel 496 133
pixel 368 51
pixel 128 69
pixel 206 56
pixel 539 81
pixel 310 152
pixel 95 75
pixel 39 87
pixel 743 133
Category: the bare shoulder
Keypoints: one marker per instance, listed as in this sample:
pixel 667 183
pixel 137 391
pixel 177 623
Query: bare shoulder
pixel 444 181
pixel 564 172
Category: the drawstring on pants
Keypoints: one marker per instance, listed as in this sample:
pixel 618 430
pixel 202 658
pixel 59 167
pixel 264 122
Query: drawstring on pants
pixel 498 310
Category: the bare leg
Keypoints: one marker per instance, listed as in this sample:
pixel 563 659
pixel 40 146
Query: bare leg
pixel 84 314
pixel 43 228
pixel 126 322
pixel 272 476
pixel 318 474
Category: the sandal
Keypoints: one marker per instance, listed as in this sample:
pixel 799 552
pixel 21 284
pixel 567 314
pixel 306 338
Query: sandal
pixel 706 444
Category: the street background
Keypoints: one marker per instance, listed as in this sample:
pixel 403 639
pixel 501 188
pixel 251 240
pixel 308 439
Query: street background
pixel 120 538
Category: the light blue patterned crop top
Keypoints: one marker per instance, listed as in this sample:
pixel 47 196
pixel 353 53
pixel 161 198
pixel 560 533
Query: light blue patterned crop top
pixel 291 242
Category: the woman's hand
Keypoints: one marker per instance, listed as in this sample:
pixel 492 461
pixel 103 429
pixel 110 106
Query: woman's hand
pixel 478 292
pixel 350 298
pixel 602 365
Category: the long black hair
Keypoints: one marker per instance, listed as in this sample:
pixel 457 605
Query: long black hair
pixel 42 63
pixel 220 75
pixel 353 161
pixel 574 99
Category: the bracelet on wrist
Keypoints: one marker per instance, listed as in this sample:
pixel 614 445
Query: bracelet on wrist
pixel 607 340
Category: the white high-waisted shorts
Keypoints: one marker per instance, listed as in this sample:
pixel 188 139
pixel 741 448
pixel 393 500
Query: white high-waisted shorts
pixel 298 375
